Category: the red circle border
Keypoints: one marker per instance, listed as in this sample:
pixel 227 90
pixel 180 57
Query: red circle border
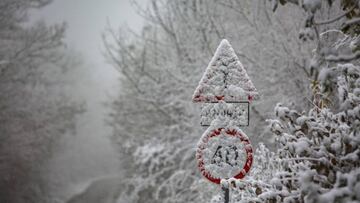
pixel 232 132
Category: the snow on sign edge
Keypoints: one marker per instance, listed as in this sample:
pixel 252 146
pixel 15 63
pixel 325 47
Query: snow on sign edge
pixel 234 93
pixel 230 130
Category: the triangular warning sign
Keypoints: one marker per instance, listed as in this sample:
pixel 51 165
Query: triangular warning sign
pixel 225 79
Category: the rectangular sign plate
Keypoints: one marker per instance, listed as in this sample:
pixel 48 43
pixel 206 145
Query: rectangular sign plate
pixel 237 112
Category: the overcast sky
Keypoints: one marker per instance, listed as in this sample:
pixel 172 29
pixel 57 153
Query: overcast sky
pixel 86 21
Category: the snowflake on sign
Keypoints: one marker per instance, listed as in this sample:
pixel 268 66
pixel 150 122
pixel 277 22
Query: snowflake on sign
pixel 225 79
pixel 237 112
pixel 224 152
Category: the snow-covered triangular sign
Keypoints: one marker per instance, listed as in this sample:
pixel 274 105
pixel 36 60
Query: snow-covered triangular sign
pixel 225 79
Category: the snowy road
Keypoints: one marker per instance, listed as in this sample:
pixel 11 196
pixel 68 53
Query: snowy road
pixel 88 154
pixel 105 190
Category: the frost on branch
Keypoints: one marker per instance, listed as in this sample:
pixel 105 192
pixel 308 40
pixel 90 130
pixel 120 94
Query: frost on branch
pixel 319 151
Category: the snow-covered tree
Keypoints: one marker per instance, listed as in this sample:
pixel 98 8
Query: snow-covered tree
pixel 318 148
pixel 35 112
pixel 154 121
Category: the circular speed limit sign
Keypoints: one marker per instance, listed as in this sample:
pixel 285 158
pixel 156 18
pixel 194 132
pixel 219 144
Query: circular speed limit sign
pixel 224 153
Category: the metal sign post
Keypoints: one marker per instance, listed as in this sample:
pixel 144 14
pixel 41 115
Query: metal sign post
pixel 224 150
pixel 226 192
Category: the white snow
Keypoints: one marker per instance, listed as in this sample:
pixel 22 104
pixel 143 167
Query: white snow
pixel 237 112
pixel 225 78
pixel 224 155
pixel 312 5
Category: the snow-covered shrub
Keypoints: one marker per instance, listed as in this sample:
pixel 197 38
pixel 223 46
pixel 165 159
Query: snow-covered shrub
pixel 318 155
pixel 319 150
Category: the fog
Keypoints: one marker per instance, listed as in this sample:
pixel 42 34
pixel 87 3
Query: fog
pixel 195 101
pixel 88 154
